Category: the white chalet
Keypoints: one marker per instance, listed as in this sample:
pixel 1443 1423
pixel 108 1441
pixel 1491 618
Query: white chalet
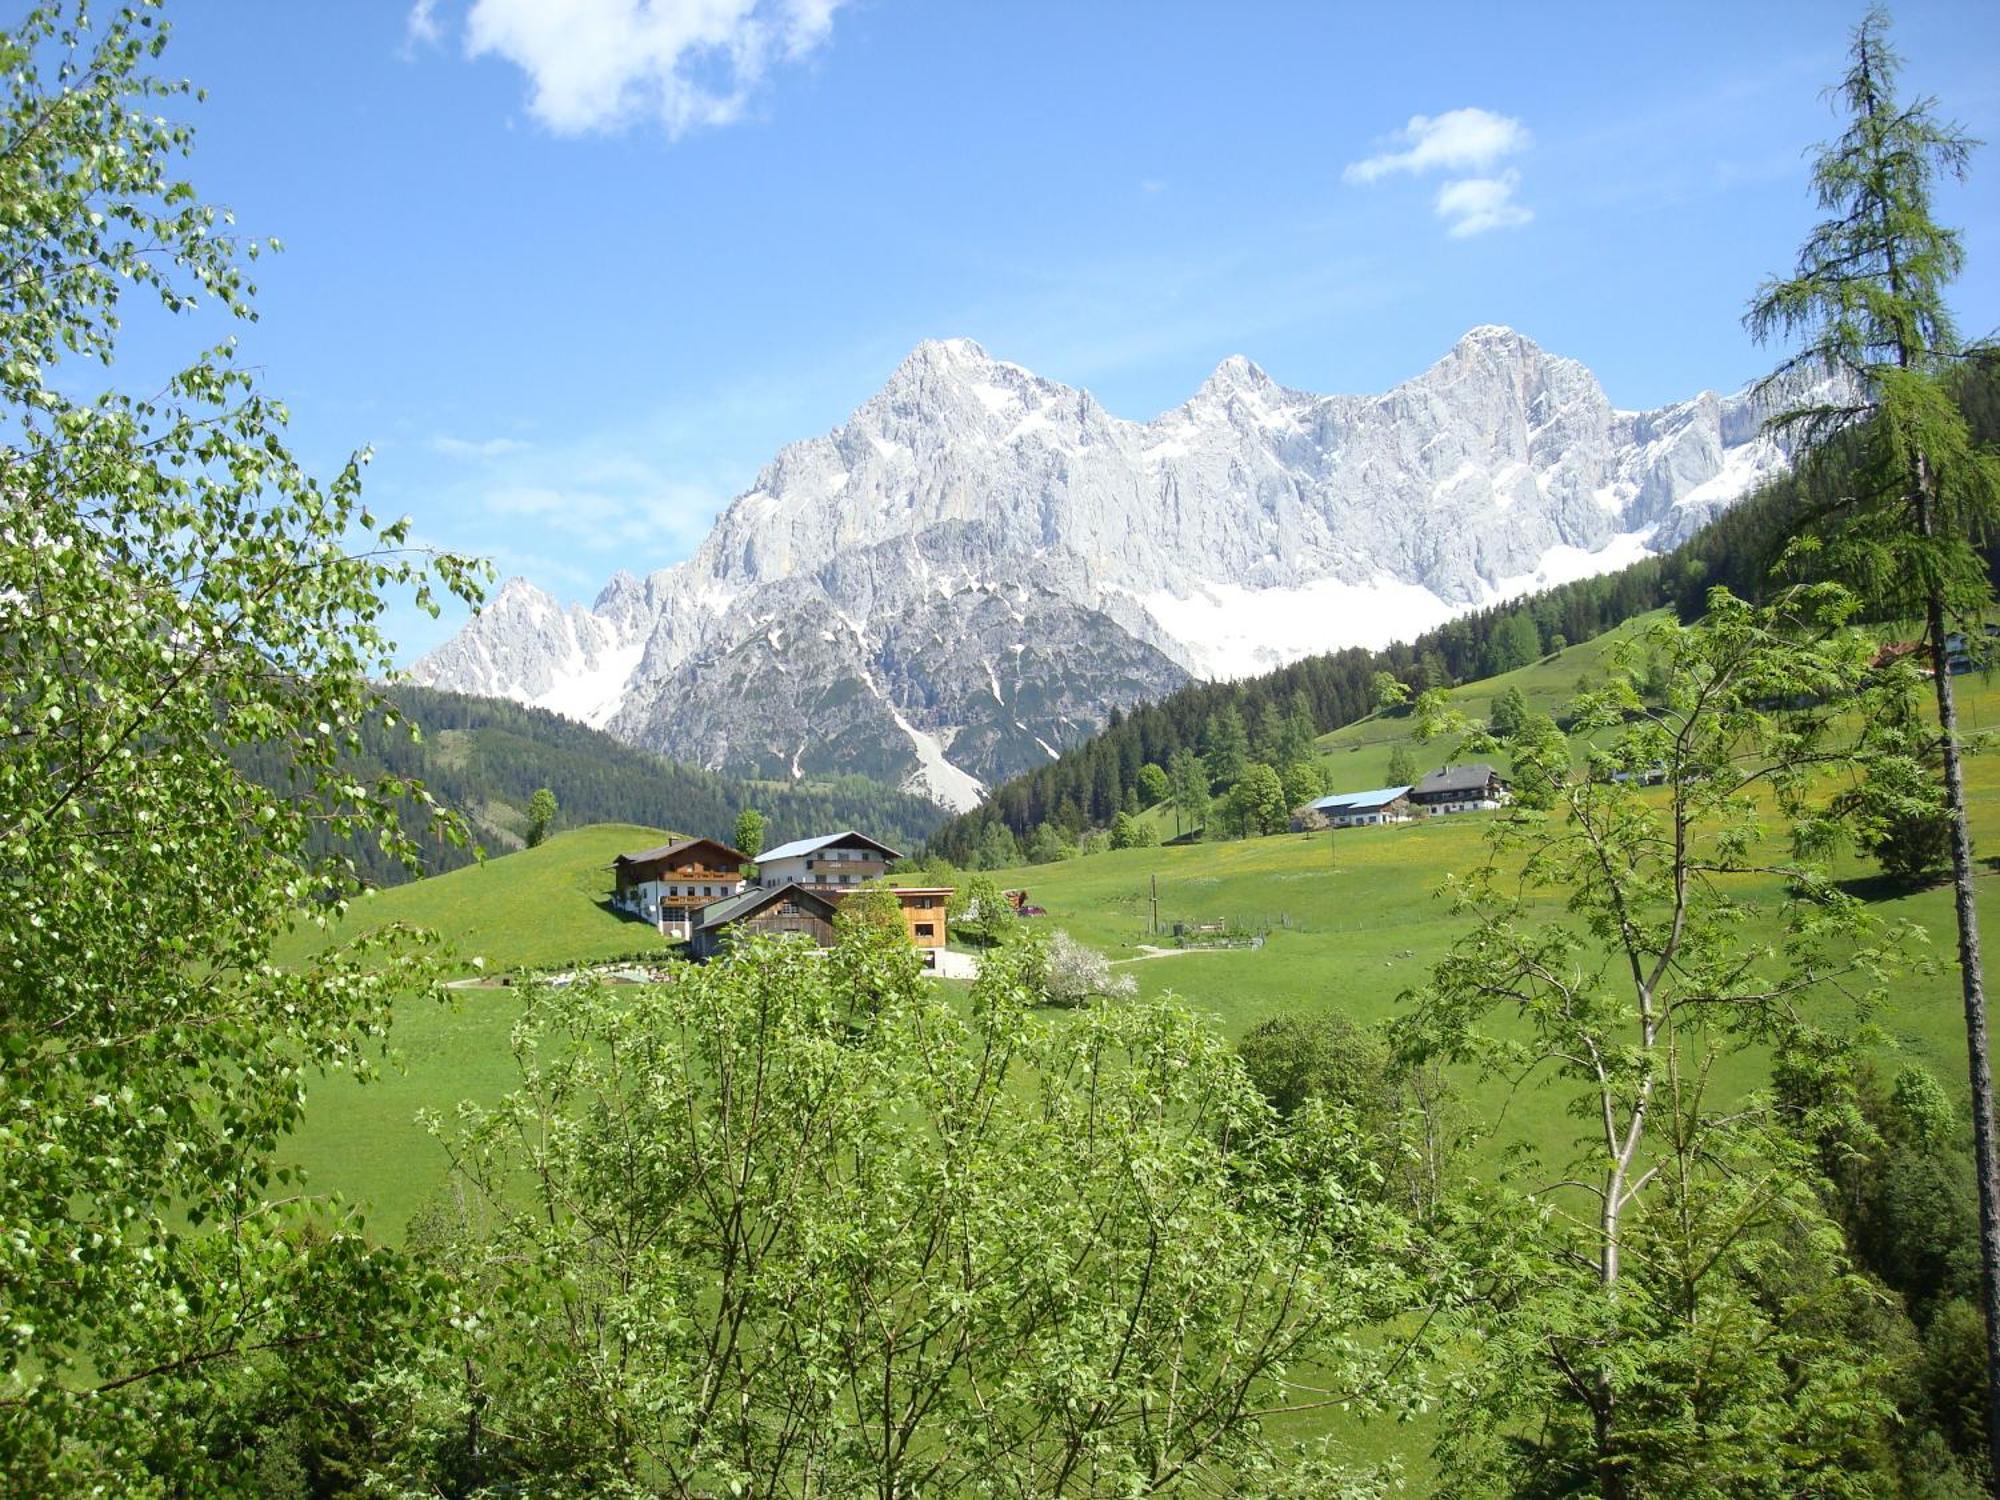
pixel 833 861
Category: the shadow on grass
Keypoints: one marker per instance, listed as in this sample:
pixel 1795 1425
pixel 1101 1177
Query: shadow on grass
pixel 1873 888
pixel 606 905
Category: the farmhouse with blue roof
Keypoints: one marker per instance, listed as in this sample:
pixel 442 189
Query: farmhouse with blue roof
pixel 1382 804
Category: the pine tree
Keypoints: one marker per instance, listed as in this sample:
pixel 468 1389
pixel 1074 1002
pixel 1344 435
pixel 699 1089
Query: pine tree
pixel 1295 739
pixel 1867 297
pixel 1190 781
pixel 1227 745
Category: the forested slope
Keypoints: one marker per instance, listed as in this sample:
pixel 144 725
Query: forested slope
pixel 485 757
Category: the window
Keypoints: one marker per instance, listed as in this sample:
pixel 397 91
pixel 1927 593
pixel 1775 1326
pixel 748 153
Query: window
pixel 925 929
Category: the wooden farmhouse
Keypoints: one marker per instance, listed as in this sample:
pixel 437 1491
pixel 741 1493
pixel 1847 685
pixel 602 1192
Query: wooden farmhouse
pixel 833 861
pixel 1457 789
pixel 667 885
pixel 1384 804
pixel 788 910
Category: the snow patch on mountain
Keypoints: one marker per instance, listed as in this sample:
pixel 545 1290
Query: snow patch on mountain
pixel 592 690
pixel 1226 631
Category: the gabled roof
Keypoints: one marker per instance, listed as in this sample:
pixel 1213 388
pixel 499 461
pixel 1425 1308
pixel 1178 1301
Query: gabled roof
pixel 1374 797
pixel 798 847
pixel 679 847
pixel 1470 778
pixel 749 903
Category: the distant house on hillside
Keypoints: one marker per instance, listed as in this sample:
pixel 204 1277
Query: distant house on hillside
pixel 666 885
pixel 833 862
pixel 787 910
pixel 923 913
pixel 1457 789
pixel 1382 804
pixel 1963 653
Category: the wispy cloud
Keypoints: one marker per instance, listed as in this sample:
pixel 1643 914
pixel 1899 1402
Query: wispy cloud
pixel 475 448
pixel 1473 205
pixel 603 65
pixel 653 517
pixel 422 29
pixel 1459 140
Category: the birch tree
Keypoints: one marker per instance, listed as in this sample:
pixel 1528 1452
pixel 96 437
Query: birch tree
pixel 174 586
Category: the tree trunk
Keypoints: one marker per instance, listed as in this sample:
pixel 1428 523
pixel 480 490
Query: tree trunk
pixel 1972 980
pixel 1610 1477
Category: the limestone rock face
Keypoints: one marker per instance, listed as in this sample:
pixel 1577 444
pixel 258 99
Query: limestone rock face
pixel 980 564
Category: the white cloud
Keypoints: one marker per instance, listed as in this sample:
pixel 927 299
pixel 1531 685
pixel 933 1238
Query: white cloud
pixel 1459 140
pixel 599 65
pixel 1474 205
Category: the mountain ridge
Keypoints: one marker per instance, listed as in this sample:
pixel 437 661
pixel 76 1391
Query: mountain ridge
pixel 981 563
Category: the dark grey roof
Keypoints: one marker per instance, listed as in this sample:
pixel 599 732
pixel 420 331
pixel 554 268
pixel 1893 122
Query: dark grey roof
pixel 1471 778
pixel 678 846
pixel 749 903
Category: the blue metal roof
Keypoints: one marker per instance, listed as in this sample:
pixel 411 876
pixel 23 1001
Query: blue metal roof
pixel 1372 798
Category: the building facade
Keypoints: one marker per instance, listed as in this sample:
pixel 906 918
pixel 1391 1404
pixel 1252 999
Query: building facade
pixel 924 913
pixel 786 911
pixel 667 885
pixel 1458 789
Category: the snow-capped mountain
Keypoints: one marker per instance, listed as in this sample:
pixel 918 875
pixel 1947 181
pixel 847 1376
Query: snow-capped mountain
pixel 981 563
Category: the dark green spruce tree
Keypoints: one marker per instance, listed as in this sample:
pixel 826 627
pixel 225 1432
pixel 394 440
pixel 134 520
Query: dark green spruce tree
pixel 1867 303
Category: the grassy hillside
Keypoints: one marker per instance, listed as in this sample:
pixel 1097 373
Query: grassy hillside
pixel 540 907
pixel 535 907
pixel 1358 753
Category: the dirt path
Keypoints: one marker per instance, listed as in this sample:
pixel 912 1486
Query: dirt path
pixel 1147 950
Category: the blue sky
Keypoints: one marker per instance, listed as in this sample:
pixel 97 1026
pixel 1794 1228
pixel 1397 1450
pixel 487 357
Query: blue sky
pixel 576 276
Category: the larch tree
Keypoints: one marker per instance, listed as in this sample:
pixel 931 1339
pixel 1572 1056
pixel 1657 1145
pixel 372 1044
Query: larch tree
pixel 1867 303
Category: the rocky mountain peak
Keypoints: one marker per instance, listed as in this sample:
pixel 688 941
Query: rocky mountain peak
pixel 981 563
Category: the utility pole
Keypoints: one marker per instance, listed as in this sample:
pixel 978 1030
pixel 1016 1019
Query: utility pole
pixel 1156 903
